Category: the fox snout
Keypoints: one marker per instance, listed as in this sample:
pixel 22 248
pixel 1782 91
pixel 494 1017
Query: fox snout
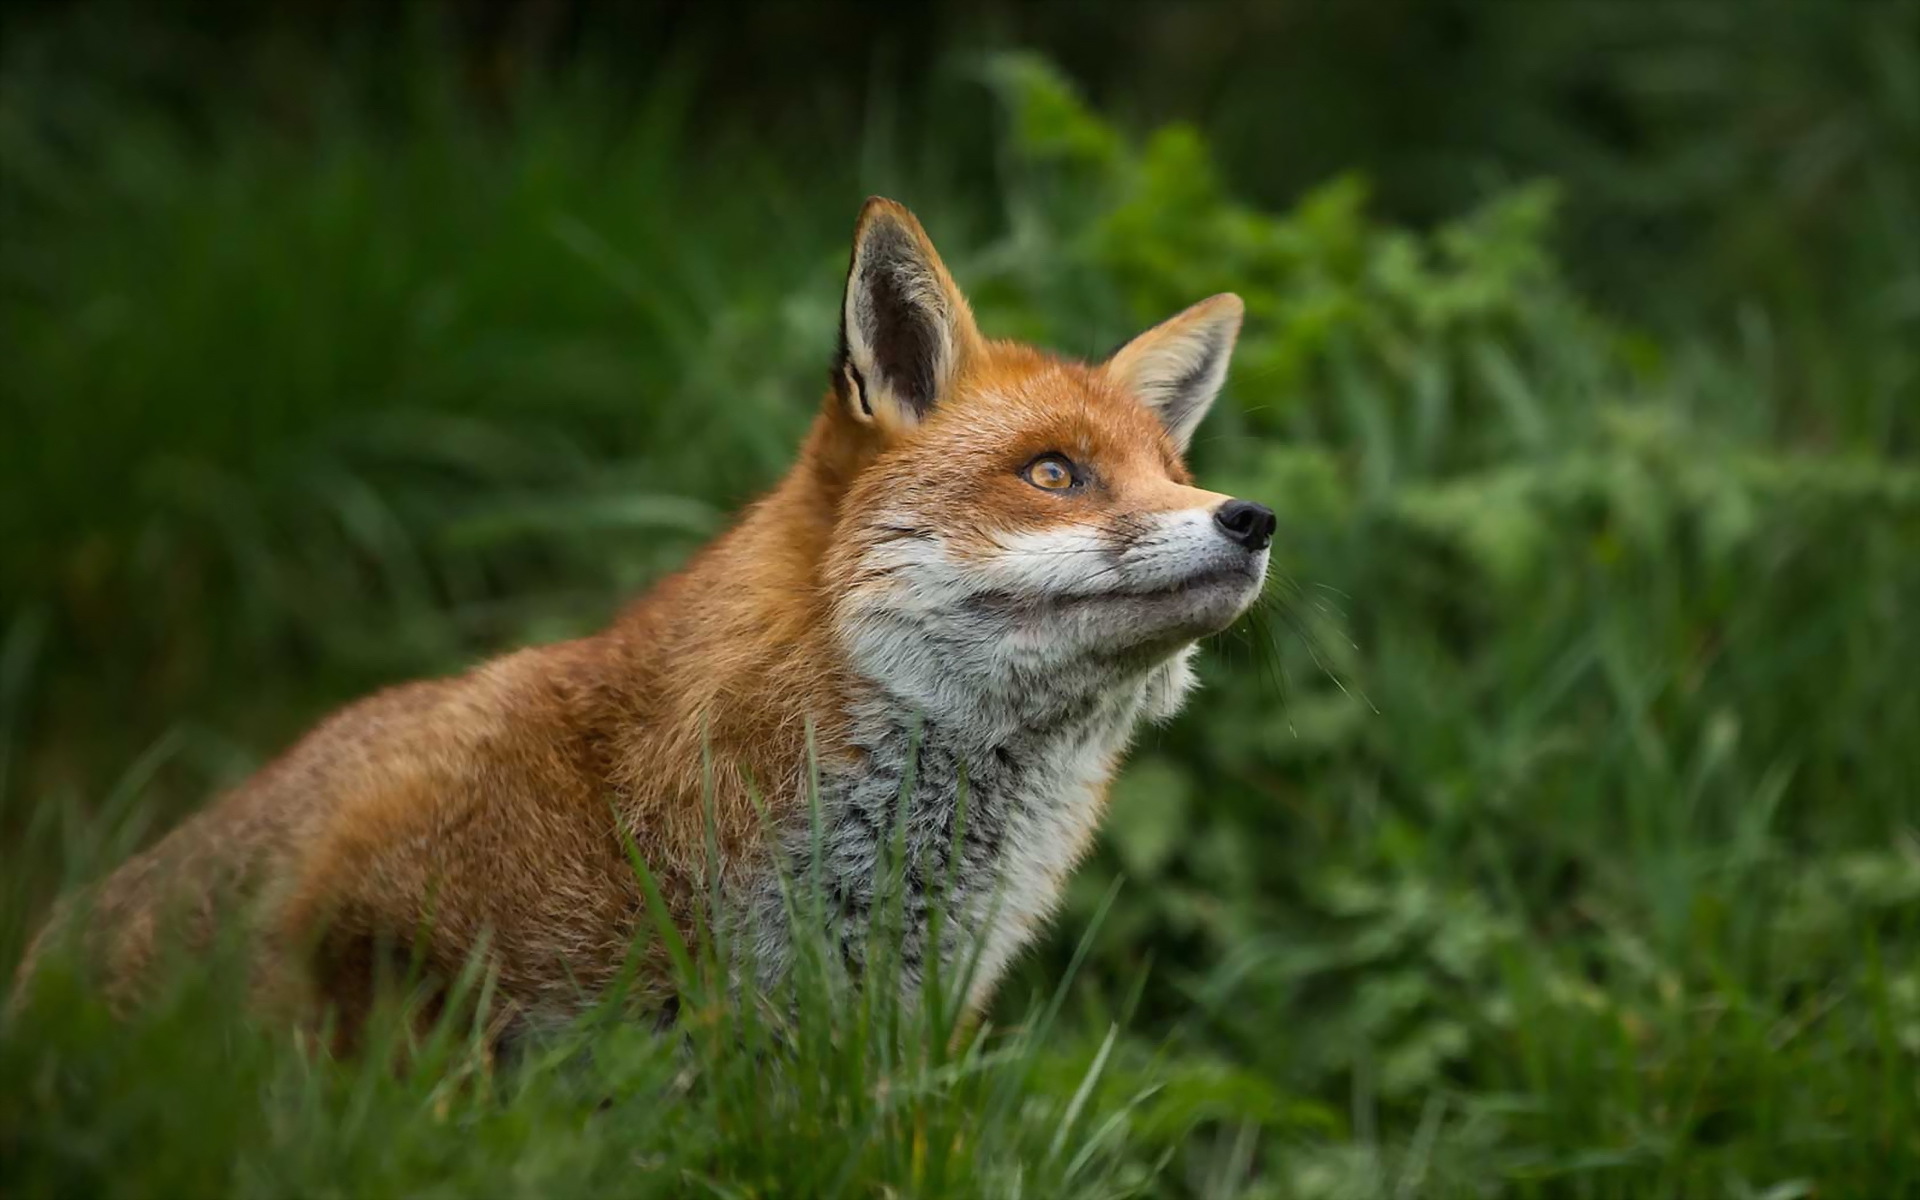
pixel 1185 574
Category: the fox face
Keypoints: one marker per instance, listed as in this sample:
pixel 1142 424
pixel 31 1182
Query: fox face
pixel 1027 532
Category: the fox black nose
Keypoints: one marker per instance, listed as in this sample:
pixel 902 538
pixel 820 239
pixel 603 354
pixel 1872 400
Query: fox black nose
pixel 1245 522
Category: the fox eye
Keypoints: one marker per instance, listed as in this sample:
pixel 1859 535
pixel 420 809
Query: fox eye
pixel 1050 473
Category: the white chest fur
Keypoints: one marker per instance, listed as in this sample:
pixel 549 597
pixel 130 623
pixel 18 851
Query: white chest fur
pixel 990 811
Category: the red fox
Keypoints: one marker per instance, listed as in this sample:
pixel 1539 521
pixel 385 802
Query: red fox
pixel 987 568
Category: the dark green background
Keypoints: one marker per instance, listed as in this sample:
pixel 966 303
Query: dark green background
pixel 1550 831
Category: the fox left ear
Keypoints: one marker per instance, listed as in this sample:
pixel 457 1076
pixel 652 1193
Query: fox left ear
pixel 1176 368
pixel 904 326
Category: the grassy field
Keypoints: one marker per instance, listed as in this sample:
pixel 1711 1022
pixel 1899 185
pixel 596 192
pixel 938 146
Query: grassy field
pixel 1551 833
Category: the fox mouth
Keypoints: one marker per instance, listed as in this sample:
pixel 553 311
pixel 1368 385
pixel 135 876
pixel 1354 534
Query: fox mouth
pixel 1236 573
pixel 1247 575
pixel 1123 617
pixel 1228 575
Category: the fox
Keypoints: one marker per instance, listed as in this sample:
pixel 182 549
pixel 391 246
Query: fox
pixel 987 569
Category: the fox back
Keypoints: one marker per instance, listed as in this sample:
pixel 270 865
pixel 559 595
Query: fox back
pixel 988 567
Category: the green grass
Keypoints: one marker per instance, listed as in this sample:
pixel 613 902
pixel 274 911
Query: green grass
pixel 820 1088
pixel 1552 832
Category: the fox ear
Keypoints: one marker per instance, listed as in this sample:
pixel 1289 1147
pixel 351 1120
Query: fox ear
pixel 1176 368
pixel 904 326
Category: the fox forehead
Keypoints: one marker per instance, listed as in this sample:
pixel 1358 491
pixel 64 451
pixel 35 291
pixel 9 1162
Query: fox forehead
pixel 1015 402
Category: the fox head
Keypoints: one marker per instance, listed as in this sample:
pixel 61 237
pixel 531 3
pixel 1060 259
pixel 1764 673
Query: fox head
pixel 1021 534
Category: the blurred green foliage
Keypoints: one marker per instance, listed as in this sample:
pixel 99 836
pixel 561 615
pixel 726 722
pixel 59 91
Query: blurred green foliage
pixel 1585 690
pixel 1551 831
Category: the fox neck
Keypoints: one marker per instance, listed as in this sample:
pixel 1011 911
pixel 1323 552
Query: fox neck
pixel 990 820
pixel 974 809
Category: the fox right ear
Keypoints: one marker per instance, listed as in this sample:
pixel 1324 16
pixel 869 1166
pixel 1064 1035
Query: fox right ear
pixel 904 326
pixel 1177 367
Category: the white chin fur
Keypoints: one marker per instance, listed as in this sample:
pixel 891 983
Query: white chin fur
pixel 1042 615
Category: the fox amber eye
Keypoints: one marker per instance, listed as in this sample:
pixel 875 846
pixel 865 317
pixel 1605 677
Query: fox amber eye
pixel 1049 473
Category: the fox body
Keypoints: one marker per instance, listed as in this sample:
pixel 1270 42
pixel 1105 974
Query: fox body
pixel 987 568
